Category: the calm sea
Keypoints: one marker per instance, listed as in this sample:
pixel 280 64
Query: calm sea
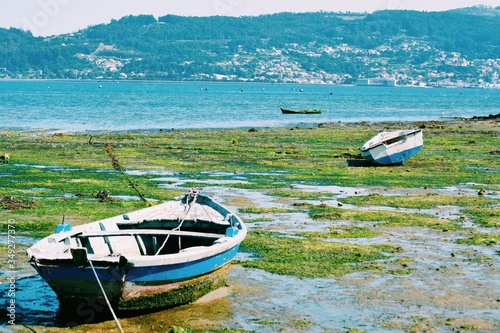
pixel 88 106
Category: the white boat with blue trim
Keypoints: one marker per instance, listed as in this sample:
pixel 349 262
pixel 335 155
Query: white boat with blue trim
pixel 393 147
pixel 161 256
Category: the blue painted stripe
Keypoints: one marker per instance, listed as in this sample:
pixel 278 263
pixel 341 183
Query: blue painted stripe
pixel 182 271
pixel 77 273
pixel 150 274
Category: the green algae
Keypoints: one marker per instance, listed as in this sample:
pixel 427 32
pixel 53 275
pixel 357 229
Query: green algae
pixel 299 155
pixel 481 239
pixel 486 217
pixel 426 201
pixel 299 195
pixel 342 232
pixel 272 210
pixel 382 217
pixel 289 256
pixel 41 220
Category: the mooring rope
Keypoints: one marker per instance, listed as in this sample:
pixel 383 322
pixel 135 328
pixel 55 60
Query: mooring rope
pixel 191 194
pixel 106 298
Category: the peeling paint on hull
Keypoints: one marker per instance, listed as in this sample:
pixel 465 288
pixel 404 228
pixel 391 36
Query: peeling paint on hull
pixel 137 297
pixel 126 292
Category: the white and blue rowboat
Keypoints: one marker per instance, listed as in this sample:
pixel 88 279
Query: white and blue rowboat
pixel 393 147
pixel 161 256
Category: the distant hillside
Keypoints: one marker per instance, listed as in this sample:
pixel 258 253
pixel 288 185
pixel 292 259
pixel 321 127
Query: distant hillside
pixel 410 46
pixel 479 10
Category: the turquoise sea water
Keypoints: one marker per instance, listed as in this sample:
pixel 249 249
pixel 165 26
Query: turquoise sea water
pixel 86 106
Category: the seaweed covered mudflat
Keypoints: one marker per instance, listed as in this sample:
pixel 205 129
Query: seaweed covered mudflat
pixel 335 244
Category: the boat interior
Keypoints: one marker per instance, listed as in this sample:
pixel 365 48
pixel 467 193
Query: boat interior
pixel 395 139
pixel 148 238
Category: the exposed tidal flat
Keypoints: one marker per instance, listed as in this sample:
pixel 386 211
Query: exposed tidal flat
pixel 334 244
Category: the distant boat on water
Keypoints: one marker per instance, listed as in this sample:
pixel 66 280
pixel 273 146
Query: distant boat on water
pixel 393 147
pixel 303 111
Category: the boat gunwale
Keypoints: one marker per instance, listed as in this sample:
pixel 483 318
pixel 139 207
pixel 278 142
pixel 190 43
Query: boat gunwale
pixel 62 255
pixel 149 232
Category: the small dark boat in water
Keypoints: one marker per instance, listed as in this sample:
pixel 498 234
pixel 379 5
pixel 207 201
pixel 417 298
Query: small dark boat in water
pixel 304 111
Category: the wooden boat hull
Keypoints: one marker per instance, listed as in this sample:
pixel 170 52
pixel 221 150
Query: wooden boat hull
pixel 139 264
pixel 393 147
pixel 80 289
pixel 305 111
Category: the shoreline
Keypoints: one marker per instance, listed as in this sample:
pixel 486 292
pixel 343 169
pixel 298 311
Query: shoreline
pixel 302 125
pixel 244 82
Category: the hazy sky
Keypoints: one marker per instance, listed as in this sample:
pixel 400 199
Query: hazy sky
pixel 49 17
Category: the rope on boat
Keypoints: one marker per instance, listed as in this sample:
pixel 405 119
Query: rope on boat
pixel 192 194
pixel 106 298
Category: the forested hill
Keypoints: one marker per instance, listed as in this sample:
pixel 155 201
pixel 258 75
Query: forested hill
pixel 418 48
